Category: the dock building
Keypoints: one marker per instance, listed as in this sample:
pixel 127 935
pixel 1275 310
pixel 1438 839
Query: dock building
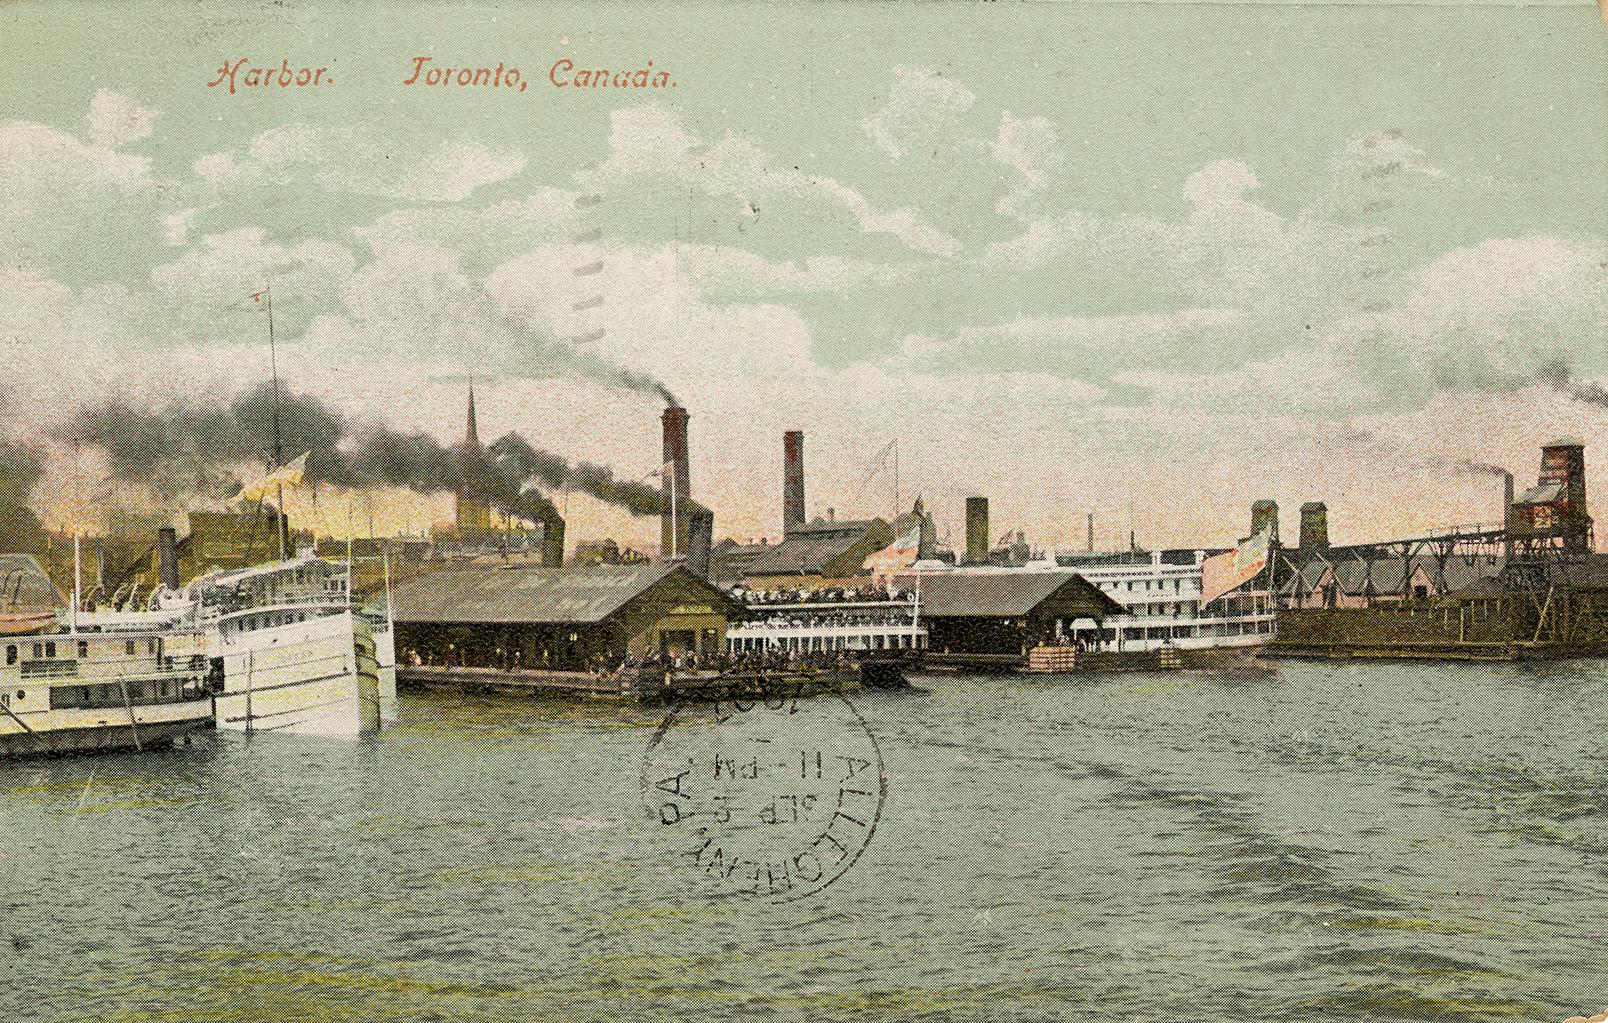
pixel 570 618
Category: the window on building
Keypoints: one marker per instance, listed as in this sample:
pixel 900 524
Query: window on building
pixel 128 647
pixel 11 654
pixel 39 650
pixel 50 649
pixel 83 648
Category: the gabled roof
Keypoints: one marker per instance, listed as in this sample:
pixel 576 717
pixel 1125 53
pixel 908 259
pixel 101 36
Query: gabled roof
pixel 1008 594
pixel 809 548
pixel 574 594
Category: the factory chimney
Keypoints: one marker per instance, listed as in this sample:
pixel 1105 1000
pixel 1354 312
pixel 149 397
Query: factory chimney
pixel 167 557
pixel 1507 514
pixel 1090 542
pixel 553 542
pixel 792 480
pixel 1314 527
pixel 700 537
pixel 976 529
pixel 677 483
pixel 1265 515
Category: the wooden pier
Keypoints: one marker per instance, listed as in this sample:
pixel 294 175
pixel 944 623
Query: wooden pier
pixel 631 683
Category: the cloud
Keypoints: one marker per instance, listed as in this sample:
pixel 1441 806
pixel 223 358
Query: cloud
pixel 360 162
pixel 1031 148
pixel 1384 153
pixel 115 120
pixel 650 148
pixel 1085 346
pixel 176 226
pixel 498 231
pixel 225 269
pixel 1482 319
pixel 921 106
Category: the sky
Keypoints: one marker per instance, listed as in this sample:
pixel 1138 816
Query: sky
pixel 1149 261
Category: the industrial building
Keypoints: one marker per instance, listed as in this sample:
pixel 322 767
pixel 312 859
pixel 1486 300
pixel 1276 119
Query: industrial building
pixel 1533 587
pixel 571 618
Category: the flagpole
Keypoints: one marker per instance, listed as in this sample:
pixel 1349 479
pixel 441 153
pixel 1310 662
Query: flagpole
pixel 279 455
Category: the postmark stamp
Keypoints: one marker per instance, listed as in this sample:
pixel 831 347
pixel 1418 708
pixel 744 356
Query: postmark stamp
pixel 763 794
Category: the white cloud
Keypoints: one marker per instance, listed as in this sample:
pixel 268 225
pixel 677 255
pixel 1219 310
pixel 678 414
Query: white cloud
pixel 115 120
pixel 650 146
pixel 1031 148
pixel 921 106
pixel 176 226
pixel 1482 319
pixel 348 160
pixel 512 225
pixel 1383 153
pixel 225 269
pixel 44 166
pixel 1068 343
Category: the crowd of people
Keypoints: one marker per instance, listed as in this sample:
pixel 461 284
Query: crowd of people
pixel 606 667
pixel 824 595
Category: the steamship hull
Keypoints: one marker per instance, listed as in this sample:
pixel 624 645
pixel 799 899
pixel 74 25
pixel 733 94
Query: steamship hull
pixel 152 727
pixel 314 677
pixel 385 670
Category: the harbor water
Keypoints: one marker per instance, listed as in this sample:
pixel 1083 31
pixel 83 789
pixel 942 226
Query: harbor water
pixel 1321 842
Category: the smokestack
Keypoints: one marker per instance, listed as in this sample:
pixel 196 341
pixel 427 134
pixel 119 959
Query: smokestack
pixel 553 542
pixel 167 557
pixel 677 482
pixel 1090 543
pixel 1508 516
pixel 792 480
pixel 1265 515
pixel 977 529
pixel 1314 526
pixel 700 537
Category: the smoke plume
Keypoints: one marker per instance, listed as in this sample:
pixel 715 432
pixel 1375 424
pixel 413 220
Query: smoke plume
pixel 202 438
pixel 1557 373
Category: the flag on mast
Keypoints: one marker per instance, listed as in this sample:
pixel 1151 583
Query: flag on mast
pixel 1221 573
pixel 289 474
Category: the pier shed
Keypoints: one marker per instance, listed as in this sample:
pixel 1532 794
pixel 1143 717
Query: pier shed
pixel 1002 615
pixel 570 618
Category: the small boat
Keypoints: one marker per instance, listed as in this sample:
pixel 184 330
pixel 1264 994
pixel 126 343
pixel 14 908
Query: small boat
pixel 107 686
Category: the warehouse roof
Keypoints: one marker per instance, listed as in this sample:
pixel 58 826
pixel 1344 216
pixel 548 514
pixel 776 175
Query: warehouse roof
pixel 584 594
pixel 1009 594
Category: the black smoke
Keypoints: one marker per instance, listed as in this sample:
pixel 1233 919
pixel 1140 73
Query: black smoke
pixel 200 438
pixel 1556 373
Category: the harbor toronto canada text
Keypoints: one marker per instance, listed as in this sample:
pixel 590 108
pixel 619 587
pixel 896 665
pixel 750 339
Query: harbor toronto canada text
pixel 942 512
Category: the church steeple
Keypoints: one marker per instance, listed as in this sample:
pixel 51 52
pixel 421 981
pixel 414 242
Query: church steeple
pixel 474 512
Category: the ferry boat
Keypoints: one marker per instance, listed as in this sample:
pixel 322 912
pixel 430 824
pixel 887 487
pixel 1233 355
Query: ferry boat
pixel 129 682
pixel 296 655
pixel 853 625
pixel 1163 598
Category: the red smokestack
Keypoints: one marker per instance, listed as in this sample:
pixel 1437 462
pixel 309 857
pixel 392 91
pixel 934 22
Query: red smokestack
pixel 792 480
pixel 677 482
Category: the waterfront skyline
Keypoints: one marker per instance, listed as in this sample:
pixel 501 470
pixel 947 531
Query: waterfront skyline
pixel 1178 298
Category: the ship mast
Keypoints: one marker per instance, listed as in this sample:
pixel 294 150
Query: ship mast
pixel 279 454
